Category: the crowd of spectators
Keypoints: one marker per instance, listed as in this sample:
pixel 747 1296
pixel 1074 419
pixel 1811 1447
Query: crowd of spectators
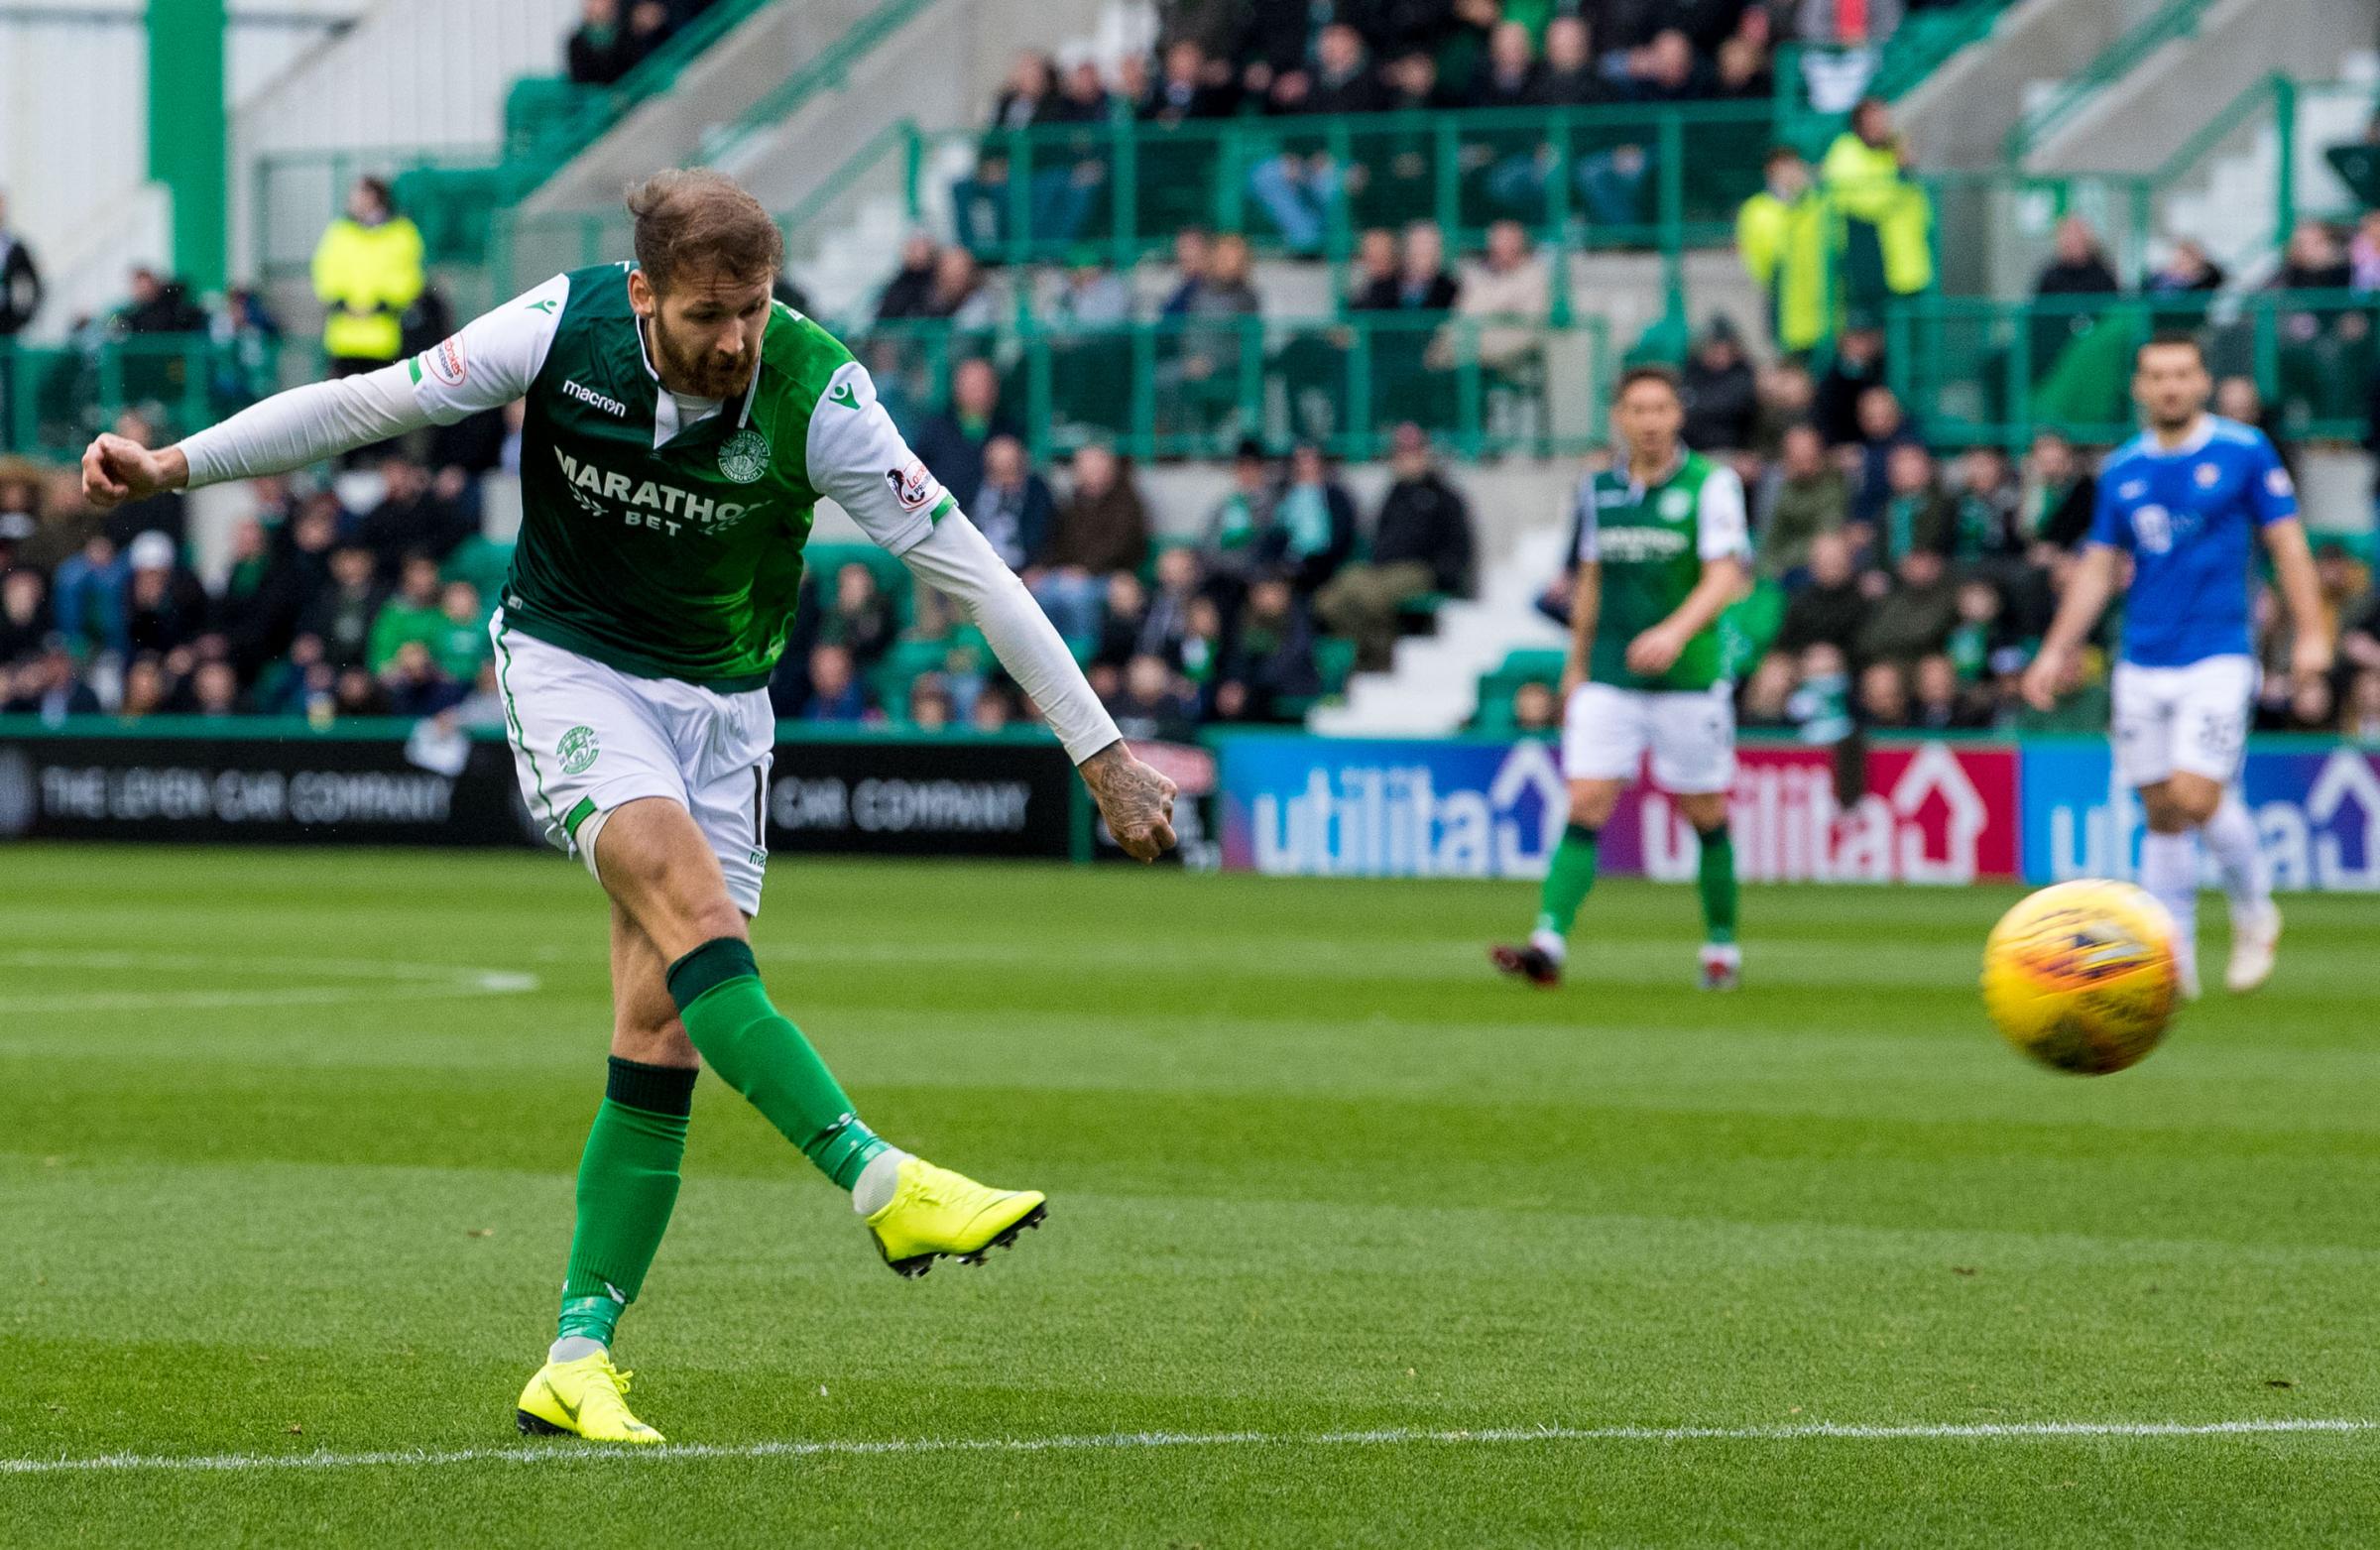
pixel 369 595
pixel 1433 317
pixel 1907 587
pixel 1855 223
pixel 614 36
pixel 365 595
pixel 197 358
pixel 1910 582
pixel 1229 626
pixel 2326 357
pixel 1239 60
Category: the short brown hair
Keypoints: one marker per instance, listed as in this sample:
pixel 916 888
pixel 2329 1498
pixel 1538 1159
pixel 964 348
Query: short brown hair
pixel 1664 375
pixel 692 219
pixel 2170 339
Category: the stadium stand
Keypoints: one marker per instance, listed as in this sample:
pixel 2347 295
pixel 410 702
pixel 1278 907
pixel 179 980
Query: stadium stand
pixel 1266 348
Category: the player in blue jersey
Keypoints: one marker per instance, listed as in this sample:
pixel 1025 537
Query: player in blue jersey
pixel 2186 500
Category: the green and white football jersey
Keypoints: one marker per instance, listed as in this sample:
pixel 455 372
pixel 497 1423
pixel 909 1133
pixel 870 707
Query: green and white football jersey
pixel 1652 542
pixel 662 534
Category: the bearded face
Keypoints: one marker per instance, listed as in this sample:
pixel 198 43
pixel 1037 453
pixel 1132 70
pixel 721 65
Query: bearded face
pixel 705 330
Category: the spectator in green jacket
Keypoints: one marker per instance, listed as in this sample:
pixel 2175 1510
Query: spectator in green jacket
pixel 412 614
pixel 1917 514
pixel 1804 495
pixel 461 644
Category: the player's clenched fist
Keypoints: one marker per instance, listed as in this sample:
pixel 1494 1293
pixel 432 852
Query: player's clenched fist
pixel 2044 677
pixel 1655 652
pixel 1136 801
pixel 116 469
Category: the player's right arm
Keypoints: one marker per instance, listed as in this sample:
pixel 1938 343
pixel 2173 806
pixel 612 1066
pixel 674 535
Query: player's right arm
pixel 1586 595
pixel 2087 595
pixel 1586 603
pixel 857 457
pixel 1724 543
pixel 490 362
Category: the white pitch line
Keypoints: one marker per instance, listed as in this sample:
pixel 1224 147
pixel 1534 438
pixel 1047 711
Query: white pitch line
pixel 571 1453
pixel 395 980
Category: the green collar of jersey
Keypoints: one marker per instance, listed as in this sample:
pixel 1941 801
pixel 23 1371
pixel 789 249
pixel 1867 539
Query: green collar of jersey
pixel 1677 466
pixel 711 424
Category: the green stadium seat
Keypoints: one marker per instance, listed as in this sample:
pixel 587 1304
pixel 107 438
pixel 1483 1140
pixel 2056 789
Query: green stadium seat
pixel 2362 544
pixel 481 562
pixel 1529 664
pixel 1425 604
pixel 908 661
pixel 2088 382
pixel 454 207
pixel 1494 718
pixel 1533 662
pixel 1335 660
pixel 541 113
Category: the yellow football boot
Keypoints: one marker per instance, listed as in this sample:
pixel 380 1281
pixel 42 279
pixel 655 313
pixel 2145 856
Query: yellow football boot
pixel 581 1399
pixel 934 1212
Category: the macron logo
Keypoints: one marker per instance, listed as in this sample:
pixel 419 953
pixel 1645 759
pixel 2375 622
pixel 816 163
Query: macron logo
pixel 594 400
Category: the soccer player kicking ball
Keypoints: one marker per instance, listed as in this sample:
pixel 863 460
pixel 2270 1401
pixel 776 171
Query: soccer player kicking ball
pixel 681 427
pixel 1662 552
pixel 2184 500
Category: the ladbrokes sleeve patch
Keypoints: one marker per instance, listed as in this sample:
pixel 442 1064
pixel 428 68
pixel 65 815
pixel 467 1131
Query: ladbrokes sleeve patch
pixel 912 487
pixel 448 363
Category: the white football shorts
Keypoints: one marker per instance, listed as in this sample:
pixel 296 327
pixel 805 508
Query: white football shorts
pixel 2193 719
pixel 1606 730
pixel 587 738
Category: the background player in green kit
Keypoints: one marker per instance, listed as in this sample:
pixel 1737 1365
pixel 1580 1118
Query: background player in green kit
pixel 679 429
pixel 1662 552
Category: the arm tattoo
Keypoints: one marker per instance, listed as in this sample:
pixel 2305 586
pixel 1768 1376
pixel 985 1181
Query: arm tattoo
pixel 1136 801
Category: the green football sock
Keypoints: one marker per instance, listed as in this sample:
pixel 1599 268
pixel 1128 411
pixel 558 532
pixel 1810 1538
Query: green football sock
pixel 1568 878
pixel 626 1185
pixel 759 1054
pixel 1716 880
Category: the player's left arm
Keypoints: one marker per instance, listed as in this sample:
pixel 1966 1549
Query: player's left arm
pixel 1723 543
pixel 2310 647
pixel 858 457
pixel 490 361
pixel 2275 502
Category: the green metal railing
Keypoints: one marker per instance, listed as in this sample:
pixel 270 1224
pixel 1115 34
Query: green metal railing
pixel 297 194
pixel 454 193
pixel 826 69
pixel 1925 42
pixel 1664 178
pixel 53 401
pixel 567 118
pixel 1196 387
pixel 1973 370
pixel 2177 19
pixel 1995 228
pixel 1668 178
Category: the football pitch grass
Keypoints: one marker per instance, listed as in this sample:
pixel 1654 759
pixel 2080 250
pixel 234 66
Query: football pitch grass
pixel 1350 1244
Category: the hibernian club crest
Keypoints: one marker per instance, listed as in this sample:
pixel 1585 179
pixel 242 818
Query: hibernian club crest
pixel 744 456
pixel 578 750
